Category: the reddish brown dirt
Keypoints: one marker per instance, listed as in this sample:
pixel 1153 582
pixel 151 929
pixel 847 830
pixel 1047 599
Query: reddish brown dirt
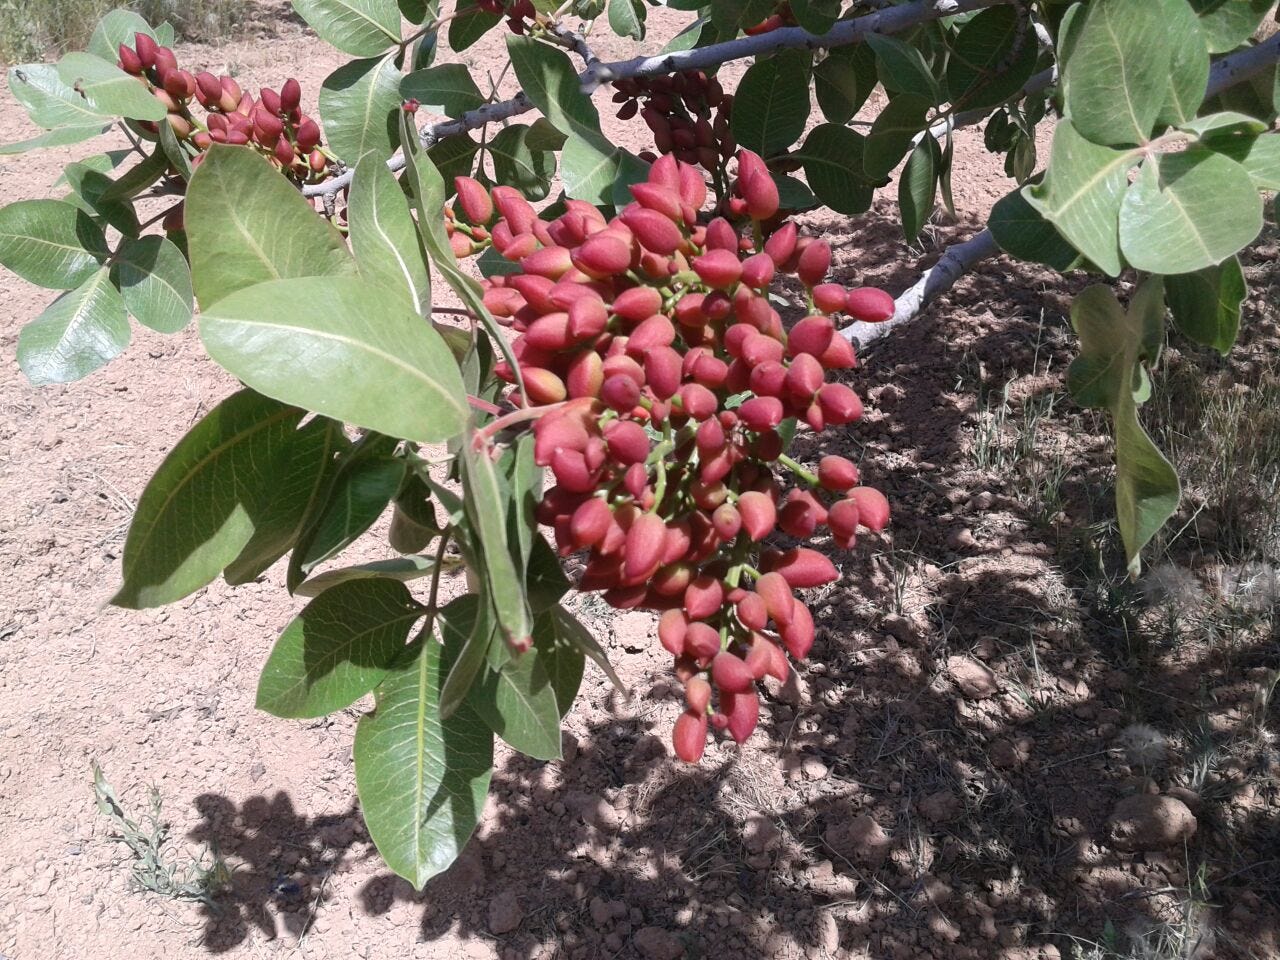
pixel 938 784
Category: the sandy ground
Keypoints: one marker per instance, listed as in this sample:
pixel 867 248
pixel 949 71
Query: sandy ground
pixel 938 787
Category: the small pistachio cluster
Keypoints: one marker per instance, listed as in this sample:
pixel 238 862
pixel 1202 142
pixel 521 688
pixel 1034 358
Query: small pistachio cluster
pixel 688 114
pixel 274 124
pixel 665 389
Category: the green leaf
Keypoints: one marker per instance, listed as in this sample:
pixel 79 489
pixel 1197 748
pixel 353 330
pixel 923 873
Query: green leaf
pixel 918 186
pixel 421 779
pixel 572 632
pixel 816 16
pixel 563 662
pixel 358 101
pixel 835 84
pixel 493 264
pixel 416 11
pixel 117 27
pixel 516 164
pixel 992 56
pixel 1109 374
pixel 362 28
pixel 61 137
pixel 486 510
pixel 844 81
pixel 1022 232
pixel 138 177
pixel 1229 23
pixel 173 152
pixel 626 18
pixel 519 704
pixel 1081 195
pixel 771 105
pixel 202 506
pixel 247 225
pixel 302 481
pixel 337 649
pixel 688 38
pixel 902 69
pixel 49 100
pixel 545 582
pixel 320 342
pixel 89 192
pixel 793 194
pixel 155 281
pixel 403 569
pixel 76 334
pixel 468 619
pixel 453 156
pixel 470 24
pixel 448 89
pixel 589 169
pixel 543 136
pixel 893 133
pixel 424 50
pixel 384 238
pixel 1227 125
pixel 1206 304
pixel 413 521
pixel 1188 64
pixel 829 154
pixel 1187 211
pixel 108 90
pixel 548 78
pixel 1117 76
pixel 427 188
pixel 359 496
pixel 590 163
pixel 1260 157
pixel 523 482
pixel 50 243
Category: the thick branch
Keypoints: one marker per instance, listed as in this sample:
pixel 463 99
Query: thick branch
pixel 574 40
pixel 432 134
pixel 956 261
pixel 961 258
pixel 1241 65
pixel 890 20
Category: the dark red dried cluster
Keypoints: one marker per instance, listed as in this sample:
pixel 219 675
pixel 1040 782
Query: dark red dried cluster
pixel 669 386
pixel 274 124
pixel 519 14
pixel 688 114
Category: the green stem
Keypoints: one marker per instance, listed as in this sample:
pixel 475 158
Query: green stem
pixel 807 476
pixel 434 595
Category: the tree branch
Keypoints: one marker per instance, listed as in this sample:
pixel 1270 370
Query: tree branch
pixel 432 134
pixel 889 20
pixel 574 40
pixel 956 261
pixel 962 257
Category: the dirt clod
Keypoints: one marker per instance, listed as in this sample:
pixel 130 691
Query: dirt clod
pixel 658 944
pixel 504 913
pixel 861 840
pixel 1146 822
pixel 975 680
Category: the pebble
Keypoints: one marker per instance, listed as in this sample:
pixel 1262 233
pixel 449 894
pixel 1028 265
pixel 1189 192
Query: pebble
pixel 504 913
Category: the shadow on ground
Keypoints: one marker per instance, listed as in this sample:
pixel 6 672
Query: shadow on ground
pixel 984 690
